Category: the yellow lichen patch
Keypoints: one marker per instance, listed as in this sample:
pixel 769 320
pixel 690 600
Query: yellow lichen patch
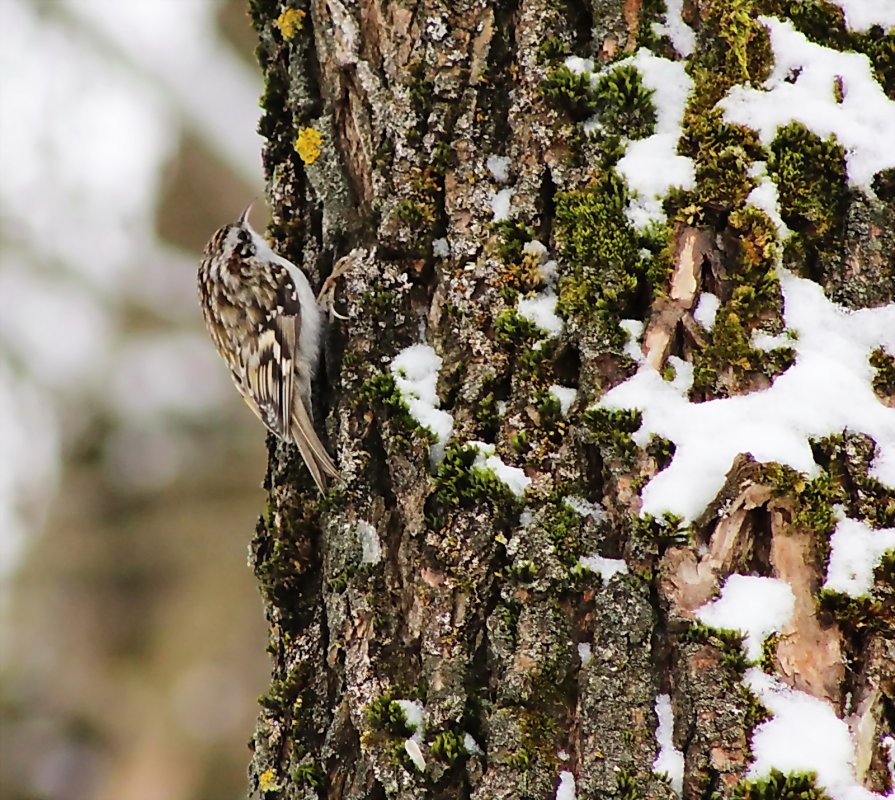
pixel 290 22
pixel 267 781
pixel 307 145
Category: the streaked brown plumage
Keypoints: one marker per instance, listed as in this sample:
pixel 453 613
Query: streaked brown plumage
pixel 265 322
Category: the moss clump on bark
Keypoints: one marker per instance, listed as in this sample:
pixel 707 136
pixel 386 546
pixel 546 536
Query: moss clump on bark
pixel 811 180
pixel 781 786
pixel 612 429
pixel 884 373
pixel 459 484
pixel 730 643
pixel 381 391
pixel 601 252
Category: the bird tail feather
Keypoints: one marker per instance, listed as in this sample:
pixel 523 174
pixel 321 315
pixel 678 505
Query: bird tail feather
pixel 319 464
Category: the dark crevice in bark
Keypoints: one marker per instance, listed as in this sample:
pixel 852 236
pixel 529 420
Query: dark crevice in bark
pixel 501 57
pixel 546 207
pixel 313 104
pixel 581 25
pixel 758 524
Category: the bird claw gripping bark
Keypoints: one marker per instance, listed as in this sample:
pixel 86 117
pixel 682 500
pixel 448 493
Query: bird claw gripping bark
pixel 327 295
pixel 265 323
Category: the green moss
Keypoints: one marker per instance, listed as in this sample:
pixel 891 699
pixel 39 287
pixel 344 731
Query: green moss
pixel 738 46
pixel 884 377
pixel 521 572
pixel 549 408
pixel 625 104
pixel 612 429
pixel 311 775
pixel 666 531
pixel 519 334
pixel 385 153
pixel 486 413
pixel 385 715
pixel 626 786
pixel 858 616
pixel 754 711
pixel 512 236
pixel 414 213
pixel 767 662
pixel 564 527
pixel 572 92
pixel 662 450
pixel 601 251
pixel 811 179
pixel 653 11
pixel 447 746
pixel 521 759
pixel 382 391
pixel 846 459
pixel 461 484
pixel 780 786
pixel 520 442
pixel 730 643
pixel 816 498
pixel 552 49
pixel 729 360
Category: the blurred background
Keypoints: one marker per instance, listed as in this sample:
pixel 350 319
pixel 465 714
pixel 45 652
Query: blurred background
pixel 132 639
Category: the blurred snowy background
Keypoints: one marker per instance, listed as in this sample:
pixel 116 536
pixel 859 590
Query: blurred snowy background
pixel 131 632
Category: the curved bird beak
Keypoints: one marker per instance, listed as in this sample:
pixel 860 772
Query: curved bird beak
pixel 244 217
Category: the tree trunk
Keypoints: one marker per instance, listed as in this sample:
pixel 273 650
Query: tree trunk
pixel 494 606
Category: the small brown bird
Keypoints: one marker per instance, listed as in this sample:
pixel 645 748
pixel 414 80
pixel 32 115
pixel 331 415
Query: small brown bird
pixel 265 322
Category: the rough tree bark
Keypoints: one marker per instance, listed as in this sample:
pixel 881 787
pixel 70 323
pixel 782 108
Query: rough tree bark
pixel 380 116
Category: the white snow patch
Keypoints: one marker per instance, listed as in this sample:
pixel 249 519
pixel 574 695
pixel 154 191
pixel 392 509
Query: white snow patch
pixel 566 788
pixel 412 748
pixel 549 271
pixel 541 310
pixel 441 248
pixel 862 15
pixel 371 549
pixel 652 166
pixel 681 35
pixel 889 744
pixel 765 197
pixel 706 310
pixel 856 550
pixel 515 479
pixel 762 340
pixel 585 652
pixel 471 745
pixel 415 370
pixel 827 390
pixel 683 374
pixel 801 89
pixel 565 395
pixel 579 65
pixel 534 247
pixel 670 760
pixel 415 714
pixel 634 329
pixel 500 204
pixel 499 167
pixel 755 606
pixel 805 735
pixel 606 568
pixel 585 508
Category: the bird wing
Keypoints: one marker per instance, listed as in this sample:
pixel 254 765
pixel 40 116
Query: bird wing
pixel 267 360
